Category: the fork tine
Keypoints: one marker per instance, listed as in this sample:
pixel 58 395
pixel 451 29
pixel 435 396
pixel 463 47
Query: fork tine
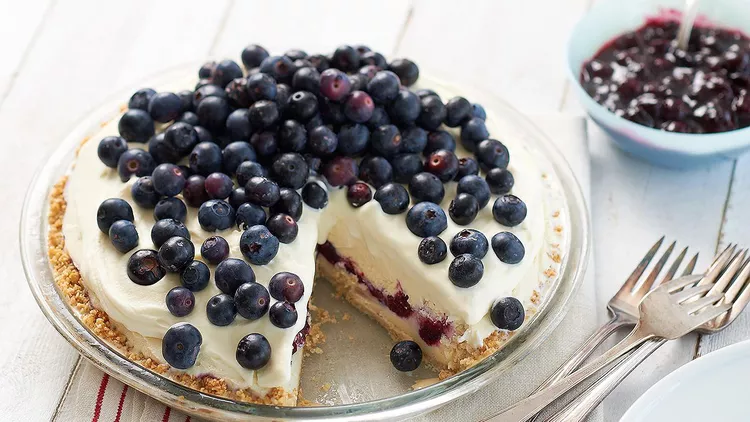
pixel 739 304
pixel 739 281
pixel 691 265
pixel 734 265
pixel 690 293
pixel 719 264
pixel 649 281
pixel 697 305
pixel 711 312
pixel 638 272
pixel 678 283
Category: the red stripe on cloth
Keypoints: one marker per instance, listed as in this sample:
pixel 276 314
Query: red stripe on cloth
pixel 100 398
pixel 122 400
pixel 167 411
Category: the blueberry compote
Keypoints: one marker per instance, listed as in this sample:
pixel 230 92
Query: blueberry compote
pixel 644 77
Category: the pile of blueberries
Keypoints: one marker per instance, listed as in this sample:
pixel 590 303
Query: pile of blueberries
pixel 275 128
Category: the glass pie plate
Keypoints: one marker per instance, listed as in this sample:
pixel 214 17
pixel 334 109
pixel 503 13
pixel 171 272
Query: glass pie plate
pixel 397 404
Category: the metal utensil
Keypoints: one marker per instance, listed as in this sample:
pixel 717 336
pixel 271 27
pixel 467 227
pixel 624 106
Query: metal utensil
pixel 686 23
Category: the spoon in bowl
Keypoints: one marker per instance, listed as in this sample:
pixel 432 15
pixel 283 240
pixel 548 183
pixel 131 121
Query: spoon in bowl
pixel 686 23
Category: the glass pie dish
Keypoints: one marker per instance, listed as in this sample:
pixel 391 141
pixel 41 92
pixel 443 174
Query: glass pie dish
pixel 398 404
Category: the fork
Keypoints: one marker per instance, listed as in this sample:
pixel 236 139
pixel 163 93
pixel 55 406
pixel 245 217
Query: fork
pixel 669 311
pixel 735 271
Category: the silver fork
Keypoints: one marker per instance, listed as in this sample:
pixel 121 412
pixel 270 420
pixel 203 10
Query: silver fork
pixel 669 311
pixel 729 267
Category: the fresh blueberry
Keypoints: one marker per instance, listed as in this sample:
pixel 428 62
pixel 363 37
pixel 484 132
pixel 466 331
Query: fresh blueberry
pixel 432 112
pixel 424 92
pixel 238 125
pixel 215 249
pixel 296 54
pixel 289 203
pixel 265 144
pixel 465 271
pixel 110 149
pixel 162 152
pixel 443 164
pixel 166 229
pixel 164 107
pixel 368 71
pixel 358 107
pixel 334 84
pixel 111 210
pixel 135 161
pixel 406 356
pixel 474 131
pixel 384 87
pixel 406 70
pixel 393 198
pixel 426 187
pixel 319 61
pixel 180 301
pixel 176 253
pixel 379 118
pixel 253 351
pixel 172 208
pixel 194 191
pixel 376 171
pixel 234 154
pixel 322 141
pixel 426 219
pixel 345 58
pixel 220 310
pixel 168 179
pixel 141 98
pixel 258 245
pixel 353 139
pixel 374 58
pixel 186 98
pixel 469 241
pixel 206 91
pixel 438 140
pixel 283 227
pixel 281 68
pixel 466 166
pixel 237 198
pixel 306 79
pixel 143 192
pixel 303 105
pixel 432 250
pixel 262 191
pixel 358 194
pixel 341 171
pixel 509 210
pixel 253 55
pixel 492 154
pixel 261 87
pixel 508 248
pixel 247 170
pixel 405 108
pixel 136 126
pixel 213 112
pixel 231 273
pixel 405 166
pixel 290 170
pixel 205 158
pixel 181 137
pixel 283 94
pixel 195 276
pixel 314 195
pixel 508 313
pixel 475 186
pixel 237 93
pixel 478 111
pixel 463 209
pixel 226 71
pixel 216 214
pixel 286 286
pixel 458 110
pixel 315 121
pixel 206 69
pixel 252 300
pixel 263 114
pixel 500 181
pixel 282 314
pixel 292 136
pixel 386 141
pixel 144 269
pixel 218 186
pixel 123 235
pixel 413 140
pixel 181 345
pixel 188 117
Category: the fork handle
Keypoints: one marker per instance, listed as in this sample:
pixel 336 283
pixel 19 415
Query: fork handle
pixel 579 409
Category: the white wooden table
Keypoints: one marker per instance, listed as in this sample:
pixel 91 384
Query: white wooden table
pixel 60 58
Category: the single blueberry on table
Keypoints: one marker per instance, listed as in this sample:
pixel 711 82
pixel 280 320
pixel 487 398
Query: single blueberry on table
pixel 286 286
pixel 262 191
pixel 289 203
pixel 205 159
pixel 162 152
pixel 474 131
pixel 123 235
pixel 492 154
pixel 509 210
pixel 376 171
pixel 215 249
pixel 406 70
pixel 164 107
pixel 358 194
pixel 167 228
pixel 248 215
pixel 469 241
pixel 194 191
pixel 282 314
pixel 508 248
pixel 358 107
pixel 426 187
pixel 438 140
pixel 144 268
pixel 393 198
pixel 181 345
pixel 283 227
pixel 226 71
pixel 176 253
pixel 144 193
pixel 405 108
pixel 258 245
pixel 432 250
pixel 334 84
pixel 238 125
pixel 406 356
pixel 252 300
pixel 302 106
pixel 458 110
pixel 141 98
pixel 110 149
pixel 220 310
pixel 290 170
pixel 218 186
pixel 405 166
pixel 476 187
pixel 463 209
pixel 265 144
pixel 314 195
pixel 181 137
pixel 341 171
pixel 111 210
pixel 168 179
pixel 212 112
pixel 443 164
pixel 231 273
pixel 135 161
pixel 292 136
pixel 426 219
pixel 500 181
pixel 386 141
pixel 281 68
pixel 465 271
pixel 478 111
pixel 253 351
pixel 180 301
pixel 353 139
pixel 253 55
pixel 384 87
pixel 507 313
pixel 261 87
pixel 195 276
pixel 216 214
pixel 322 141
pixel 172 208
pixel 466 166
pixel 136 126
pixel 432 112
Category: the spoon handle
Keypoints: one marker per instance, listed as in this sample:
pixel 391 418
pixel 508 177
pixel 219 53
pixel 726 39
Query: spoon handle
pixel 686 23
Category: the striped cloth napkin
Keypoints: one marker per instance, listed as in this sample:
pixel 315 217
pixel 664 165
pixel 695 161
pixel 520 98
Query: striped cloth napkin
pixel 95 396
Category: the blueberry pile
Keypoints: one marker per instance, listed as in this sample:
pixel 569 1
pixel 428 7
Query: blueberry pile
pixel 248 147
